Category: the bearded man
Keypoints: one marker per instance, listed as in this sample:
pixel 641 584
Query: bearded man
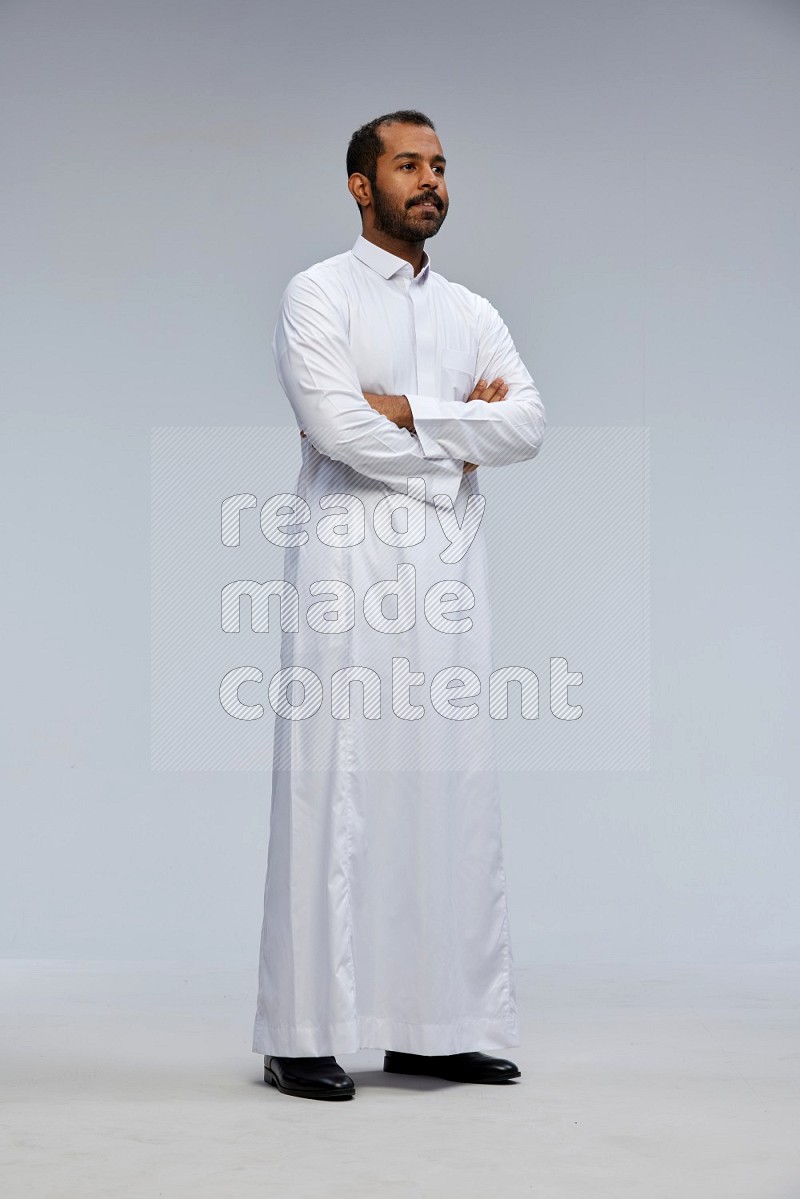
pixel 385 915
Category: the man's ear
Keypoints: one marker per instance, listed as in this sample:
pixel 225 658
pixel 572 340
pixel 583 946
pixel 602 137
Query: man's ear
pixel 360 189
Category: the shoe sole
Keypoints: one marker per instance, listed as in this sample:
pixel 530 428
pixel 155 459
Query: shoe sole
pixel 270 1078
pixel 422 1074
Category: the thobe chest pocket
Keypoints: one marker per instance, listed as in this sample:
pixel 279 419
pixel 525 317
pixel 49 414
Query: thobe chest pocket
pixel 458 373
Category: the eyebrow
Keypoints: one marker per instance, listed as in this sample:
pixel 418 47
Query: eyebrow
pixel 410 154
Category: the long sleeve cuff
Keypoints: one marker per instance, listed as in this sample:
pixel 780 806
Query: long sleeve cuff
pixel 491 434
pixel 442 475
pixel 429 414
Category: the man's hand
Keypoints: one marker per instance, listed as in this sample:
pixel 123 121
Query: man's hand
pixel 491 393
pixel 395 408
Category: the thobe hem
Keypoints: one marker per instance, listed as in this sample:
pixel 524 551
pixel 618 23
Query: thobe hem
pixel 318 1040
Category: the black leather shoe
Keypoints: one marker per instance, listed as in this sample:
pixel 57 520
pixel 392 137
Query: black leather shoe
pixel 309 1077
pixel 456 1067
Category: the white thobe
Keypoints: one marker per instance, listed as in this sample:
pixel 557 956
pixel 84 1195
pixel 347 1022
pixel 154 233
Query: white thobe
pixel 385 915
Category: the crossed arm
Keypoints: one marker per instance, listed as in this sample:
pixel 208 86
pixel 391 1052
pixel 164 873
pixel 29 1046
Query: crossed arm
pixel 389 438
pixel 398 410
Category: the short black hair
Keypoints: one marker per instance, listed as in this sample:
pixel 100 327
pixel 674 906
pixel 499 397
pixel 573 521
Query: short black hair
pixel 366 145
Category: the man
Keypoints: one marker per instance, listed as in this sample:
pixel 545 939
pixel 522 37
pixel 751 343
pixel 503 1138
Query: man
pixel 385 918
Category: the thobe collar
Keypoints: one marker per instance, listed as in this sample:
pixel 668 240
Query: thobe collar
pixel 386 264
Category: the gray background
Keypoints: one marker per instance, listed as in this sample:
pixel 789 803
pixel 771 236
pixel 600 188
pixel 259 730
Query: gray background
pixel 624 188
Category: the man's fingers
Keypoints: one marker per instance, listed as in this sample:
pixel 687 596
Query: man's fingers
pixel 479 390
pixel 491 392
pixel 495 391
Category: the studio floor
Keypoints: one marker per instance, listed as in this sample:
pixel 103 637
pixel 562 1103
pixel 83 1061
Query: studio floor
pixel 137 1079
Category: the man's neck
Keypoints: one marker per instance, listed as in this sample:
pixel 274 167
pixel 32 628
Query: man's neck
pixel 412 251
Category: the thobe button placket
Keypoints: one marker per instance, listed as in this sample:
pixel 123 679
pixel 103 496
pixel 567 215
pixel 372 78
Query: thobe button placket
pixel 419 295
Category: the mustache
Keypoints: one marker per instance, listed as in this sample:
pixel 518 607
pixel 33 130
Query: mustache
pixel 429 199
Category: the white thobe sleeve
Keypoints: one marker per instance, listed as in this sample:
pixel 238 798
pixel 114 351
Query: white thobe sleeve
pixel 489 434
pixel 317 371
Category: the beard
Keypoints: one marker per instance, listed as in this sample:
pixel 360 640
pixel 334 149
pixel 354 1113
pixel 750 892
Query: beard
pixel 406 223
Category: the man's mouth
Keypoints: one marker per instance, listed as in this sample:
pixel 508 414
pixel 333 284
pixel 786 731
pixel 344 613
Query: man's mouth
pixel 427 204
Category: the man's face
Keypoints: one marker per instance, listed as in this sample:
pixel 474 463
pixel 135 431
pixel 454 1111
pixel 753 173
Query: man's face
pixel 409 197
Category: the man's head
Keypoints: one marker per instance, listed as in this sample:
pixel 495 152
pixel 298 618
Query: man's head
pixel 395 169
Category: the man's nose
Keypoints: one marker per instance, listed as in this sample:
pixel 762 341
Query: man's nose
pixel 429 181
